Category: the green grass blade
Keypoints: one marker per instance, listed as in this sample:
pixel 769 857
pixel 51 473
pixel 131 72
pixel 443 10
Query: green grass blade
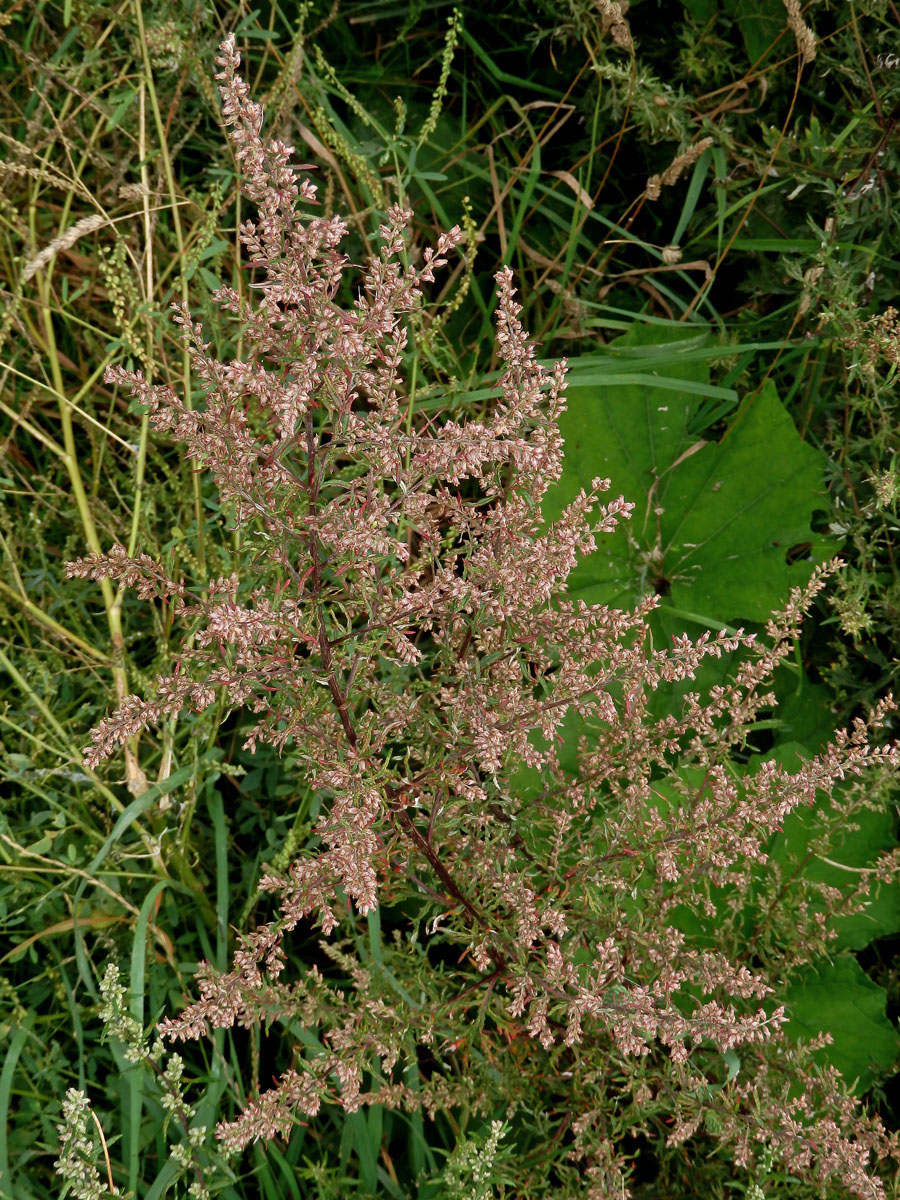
pixel 17 1041
pixel 220 831
pixel 135 1079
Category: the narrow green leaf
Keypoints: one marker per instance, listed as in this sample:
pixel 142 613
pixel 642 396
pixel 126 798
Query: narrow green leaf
pixel 16 1042
pixel 135 1079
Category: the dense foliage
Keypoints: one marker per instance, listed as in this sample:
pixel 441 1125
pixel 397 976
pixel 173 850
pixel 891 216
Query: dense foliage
pixel 568 857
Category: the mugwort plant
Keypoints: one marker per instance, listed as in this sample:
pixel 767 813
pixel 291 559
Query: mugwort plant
pixel 562 866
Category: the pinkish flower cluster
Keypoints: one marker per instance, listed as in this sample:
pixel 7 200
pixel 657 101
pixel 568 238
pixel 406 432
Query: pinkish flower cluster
pixel 404 628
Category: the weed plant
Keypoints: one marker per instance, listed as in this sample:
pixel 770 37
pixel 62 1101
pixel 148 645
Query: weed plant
pixel 398 620
pixel 774 245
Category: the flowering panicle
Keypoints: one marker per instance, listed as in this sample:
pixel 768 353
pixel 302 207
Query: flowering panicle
pixel 77 1163
pixel 484 745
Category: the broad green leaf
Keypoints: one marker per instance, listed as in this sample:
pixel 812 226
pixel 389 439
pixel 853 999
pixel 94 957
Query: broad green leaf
pixel 713 524
pixel 761 23
pixel 702 11
pixel 744 504
pixel 804 711
pixel 868 836
pixel 839 998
